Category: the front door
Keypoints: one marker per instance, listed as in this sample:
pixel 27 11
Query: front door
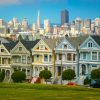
pixel 83 69
pixel 59 70
pixel 7 73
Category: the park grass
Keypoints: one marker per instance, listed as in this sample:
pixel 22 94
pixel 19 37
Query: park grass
pixel 25 91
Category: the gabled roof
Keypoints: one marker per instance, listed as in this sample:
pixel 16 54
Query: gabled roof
pixel 51 42
pixel 30 44
pixel 3 40
pixel 77 41
pixel 9 46
pixel 74 41
pixel 96 38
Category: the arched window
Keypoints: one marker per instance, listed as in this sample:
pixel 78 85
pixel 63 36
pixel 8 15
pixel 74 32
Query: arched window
pixel 90 44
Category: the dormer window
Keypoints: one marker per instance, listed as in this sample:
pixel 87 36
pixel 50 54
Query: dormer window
pixel 42 47
pixel 65 46
pixel 90 44
pixel 2 50
pixel 20 48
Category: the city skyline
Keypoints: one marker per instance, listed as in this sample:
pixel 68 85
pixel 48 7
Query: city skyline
pixel 49 9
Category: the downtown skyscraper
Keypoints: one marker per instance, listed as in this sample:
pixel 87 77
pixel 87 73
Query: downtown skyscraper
pixel 64 17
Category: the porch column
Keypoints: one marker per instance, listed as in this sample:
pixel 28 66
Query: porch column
pixel 33 74
pixel 26 71
pixel 21 59
pixel 26 59
pixel 1 59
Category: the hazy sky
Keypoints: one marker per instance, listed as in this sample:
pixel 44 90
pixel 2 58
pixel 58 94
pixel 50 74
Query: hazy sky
pixel 49 9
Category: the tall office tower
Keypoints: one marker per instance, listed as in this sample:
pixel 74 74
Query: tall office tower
pixel 25 23
pixel 2 23
pixel 78 24
pixel 38 21
pixel 87 23
pixel 97 22
pixel 47 25
pixel 92 26
pixel 15 20
pixel 34 27
pixel 64 17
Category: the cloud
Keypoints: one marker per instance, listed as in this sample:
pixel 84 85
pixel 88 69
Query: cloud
pixel 11 2
pixel 8 2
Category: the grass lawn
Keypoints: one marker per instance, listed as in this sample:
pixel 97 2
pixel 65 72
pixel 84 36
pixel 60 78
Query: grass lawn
pixel 46 92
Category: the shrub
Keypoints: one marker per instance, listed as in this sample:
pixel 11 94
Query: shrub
pixel 45 74
pixel 95 74
pixel 18 76
pixel 68 74
pixel 87 81
pixel 2 75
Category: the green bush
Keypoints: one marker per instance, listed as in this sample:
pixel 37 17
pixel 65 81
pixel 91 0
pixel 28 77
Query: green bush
pixel 87 81
pixel 68 74
pixel 95 74
pixel 18 76
pixel 45 74
pixel 2 75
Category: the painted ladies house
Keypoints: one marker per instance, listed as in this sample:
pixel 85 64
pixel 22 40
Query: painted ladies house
pixel 42 54
pixel 67 54
pixel 89 55
pixel 5 57
pixel 22 58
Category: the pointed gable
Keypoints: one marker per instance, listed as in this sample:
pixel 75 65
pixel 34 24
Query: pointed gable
pixel 65 44
pixel 92 42
pixel 24 46
pixel 41 46
pixel 4 50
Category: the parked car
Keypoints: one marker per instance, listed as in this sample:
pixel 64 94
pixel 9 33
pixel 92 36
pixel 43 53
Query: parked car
pixel 95 83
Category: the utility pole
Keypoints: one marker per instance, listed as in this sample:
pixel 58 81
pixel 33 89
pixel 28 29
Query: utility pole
pixel 61 68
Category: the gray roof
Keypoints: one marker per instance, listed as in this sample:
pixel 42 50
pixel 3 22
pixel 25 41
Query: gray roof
pixel 77 41
pixel 51 42
pixel 96 38
pixel 3 40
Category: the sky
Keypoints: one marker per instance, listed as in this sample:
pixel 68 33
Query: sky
pixel 49 9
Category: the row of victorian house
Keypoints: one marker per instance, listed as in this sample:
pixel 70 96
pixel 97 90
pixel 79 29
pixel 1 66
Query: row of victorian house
pixel 81 54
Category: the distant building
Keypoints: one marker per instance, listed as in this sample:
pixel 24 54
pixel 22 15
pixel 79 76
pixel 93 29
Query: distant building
pixel 87 23
pixel 38 21
pixel 15 21
pixel 25 23
pixel 47 25
pixel 64 17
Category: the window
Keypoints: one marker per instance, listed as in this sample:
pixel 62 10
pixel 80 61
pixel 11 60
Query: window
pixel 90 44
pixel 42 47
pixel 45 57
pixel 50 58
pixel 20 48
pixel 65 46
pixel 2 50
pixel 28 72
pixel 37 57
pixel 73 57
pixel 69 57
pixel 69 67
pixel 24 59
pixel 24 70
pixel 60 56
pixel 99 55
pixel 28 60
pixel 84 55
pixel 94 55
